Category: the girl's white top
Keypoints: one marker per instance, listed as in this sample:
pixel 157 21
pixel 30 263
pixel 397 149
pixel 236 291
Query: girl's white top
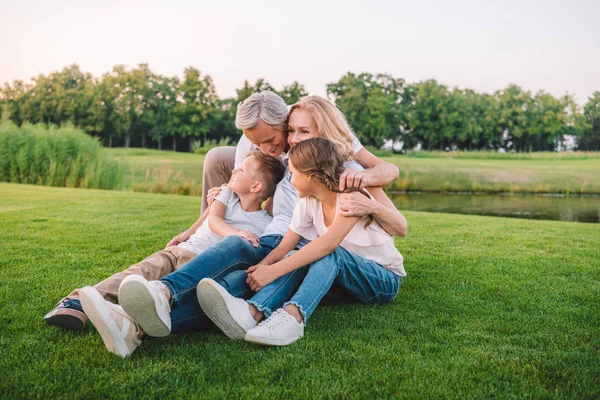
pixel 372 243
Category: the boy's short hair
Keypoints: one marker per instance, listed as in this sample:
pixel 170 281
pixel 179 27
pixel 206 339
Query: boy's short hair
pixel 270 171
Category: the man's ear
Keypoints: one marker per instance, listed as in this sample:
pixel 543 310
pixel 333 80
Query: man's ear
pixel 256 187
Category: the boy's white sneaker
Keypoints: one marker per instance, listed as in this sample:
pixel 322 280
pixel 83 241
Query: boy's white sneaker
pixel 280 329
pixel 229 313
pixel 146 301
pixel 118 330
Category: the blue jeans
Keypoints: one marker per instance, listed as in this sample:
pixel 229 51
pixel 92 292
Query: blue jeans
pixel 231 254
pixel 340 275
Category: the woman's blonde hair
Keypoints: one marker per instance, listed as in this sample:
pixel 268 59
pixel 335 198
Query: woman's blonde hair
pixel 330 122
pixel 321 159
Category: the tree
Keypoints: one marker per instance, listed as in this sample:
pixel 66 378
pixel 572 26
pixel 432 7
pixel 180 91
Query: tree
pixel 590 140
pixel 292 93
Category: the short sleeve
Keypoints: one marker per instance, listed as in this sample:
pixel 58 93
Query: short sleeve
pixel 353 165
pixel 356 146
pixel 302 219
pixel 244 146
pixel 225 195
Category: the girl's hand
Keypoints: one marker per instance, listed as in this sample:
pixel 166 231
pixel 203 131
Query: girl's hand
pixel 355 204
pixel 260 276
pixel 212 194
pixel 249 236
pixel 353 179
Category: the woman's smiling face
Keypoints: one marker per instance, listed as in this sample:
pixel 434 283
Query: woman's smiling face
pixel 301 126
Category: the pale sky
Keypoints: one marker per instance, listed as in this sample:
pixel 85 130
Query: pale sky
pixel 482 45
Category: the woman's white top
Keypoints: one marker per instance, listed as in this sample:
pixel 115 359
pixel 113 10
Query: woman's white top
pixel 372 243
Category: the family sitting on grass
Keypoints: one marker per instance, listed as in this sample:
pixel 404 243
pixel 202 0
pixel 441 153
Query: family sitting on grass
pixel 326 231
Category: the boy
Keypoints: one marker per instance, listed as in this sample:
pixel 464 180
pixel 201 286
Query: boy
pixel 237 211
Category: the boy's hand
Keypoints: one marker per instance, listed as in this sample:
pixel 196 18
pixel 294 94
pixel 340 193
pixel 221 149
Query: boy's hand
pixel 212 194
pixel 182 237
pixel 249 236
pixel 260 276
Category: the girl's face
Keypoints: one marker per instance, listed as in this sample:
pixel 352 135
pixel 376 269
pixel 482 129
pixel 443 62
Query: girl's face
pixel 300 181
pixel 301 126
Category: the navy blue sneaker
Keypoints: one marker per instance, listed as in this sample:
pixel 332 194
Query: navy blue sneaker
pixel 68 314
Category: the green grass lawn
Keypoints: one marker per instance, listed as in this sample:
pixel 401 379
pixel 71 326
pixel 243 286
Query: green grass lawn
pixel 491 307
pixel 167 171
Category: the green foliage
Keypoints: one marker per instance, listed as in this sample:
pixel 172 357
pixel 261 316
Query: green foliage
pixel 590 139
pixel 53 156
pixel 491 308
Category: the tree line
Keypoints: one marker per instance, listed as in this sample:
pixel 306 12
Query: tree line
pixel 137 107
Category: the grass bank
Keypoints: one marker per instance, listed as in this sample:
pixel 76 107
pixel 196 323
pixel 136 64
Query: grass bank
pixel 579 173
pixel 491 307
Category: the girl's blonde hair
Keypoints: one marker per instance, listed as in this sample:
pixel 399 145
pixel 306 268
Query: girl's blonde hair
pixel 330 122
pixel 321 159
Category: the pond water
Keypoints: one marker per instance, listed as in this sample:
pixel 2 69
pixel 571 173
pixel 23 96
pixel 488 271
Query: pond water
pixel 581 209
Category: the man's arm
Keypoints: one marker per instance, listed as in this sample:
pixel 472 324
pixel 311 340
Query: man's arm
pixel 185 235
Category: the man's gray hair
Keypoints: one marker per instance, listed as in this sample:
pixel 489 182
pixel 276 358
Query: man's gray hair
pixel 264 105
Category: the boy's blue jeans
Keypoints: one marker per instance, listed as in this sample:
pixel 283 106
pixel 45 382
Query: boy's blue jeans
pixel 231 254
pixel 340 273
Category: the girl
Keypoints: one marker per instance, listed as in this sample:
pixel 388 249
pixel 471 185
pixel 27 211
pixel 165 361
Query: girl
pixel 352 253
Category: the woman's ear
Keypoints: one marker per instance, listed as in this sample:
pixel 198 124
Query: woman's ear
pixel 256 187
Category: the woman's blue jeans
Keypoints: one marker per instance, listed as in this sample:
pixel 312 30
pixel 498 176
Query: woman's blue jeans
pixel 340 275
pixel 231 254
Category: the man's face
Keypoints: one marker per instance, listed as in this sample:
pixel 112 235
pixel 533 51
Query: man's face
pixel 270 140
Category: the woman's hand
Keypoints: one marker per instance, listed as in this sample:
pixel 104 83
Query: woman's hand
pixel 182 237
pixel 260 276
pixel 355 204
pixel 353 179
pixel 249 236
pixel 212 194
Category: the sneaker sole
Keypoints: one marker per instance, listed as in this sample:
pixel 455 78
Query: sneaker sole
pixel 100 316
pixel 71 320
pixel 216 307
pixel 270 341
pixel 137 301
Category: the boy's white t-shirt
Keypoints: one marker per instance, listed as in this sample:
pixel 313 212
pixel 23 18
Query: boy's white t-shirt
pixel 372 243
pixel 235 215
pixel 245 146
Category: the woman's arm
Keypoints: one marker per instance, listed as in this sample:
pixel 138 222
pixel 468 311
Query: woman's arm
pixel 217 224
pixel 385 212
pixel 322 246
pixel 377 172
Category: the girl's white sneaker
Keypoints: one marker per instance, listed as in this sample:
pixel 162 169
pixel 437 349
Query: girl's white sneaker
pixel 280 329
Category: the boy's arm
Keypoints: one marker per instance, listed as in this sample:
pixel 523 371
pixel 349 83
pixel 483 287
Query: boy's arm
pixel 217 224
pixel 322 246
pixel 185 235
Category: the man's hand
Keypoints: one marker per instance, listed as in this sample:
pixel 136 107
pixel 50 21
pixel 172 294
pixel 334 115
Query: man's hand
pixel 249 236
pixel 260 276
pixel 212 194
pixel 355 204
pixel 353 179
pixel 182 237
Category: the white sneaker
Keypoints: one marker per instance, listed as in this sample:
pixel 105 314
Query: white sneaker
pixel 280 329
pixel 118 330
pixel 229 313
pixel 147 303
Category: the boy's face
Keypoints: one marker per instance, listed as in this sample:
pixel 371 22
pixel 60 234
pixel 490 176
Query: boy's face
pixel 242 178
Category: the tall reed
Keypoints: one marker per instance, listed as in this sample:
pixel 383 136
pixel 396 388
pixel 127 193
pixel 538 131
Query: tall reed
pixel 52 156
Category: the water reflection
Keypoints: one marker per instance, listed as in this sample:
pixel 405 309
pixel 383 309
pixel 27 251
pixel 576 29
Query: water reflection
pixel 581 209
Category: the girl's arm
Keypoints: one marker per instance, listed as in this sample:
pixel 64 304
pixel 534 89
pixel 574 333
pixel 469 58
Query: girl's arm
pixel 322 246
pixel 217 224
pixel 288 243
pixel 385 212
pixel 377 172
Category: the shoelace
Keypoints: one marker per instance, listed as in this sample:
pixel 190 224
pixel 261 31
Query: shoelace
pixel 277 319
pixel 163 293
pixel 71 303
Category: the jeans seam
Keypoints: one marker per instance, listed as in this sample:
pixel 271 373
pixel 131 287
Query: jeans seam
pixel 280 286
pixel 334 271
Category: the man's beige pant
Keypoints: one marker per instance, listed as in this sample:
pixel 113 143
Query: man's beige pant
pixel 218 164
pixel 152 268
